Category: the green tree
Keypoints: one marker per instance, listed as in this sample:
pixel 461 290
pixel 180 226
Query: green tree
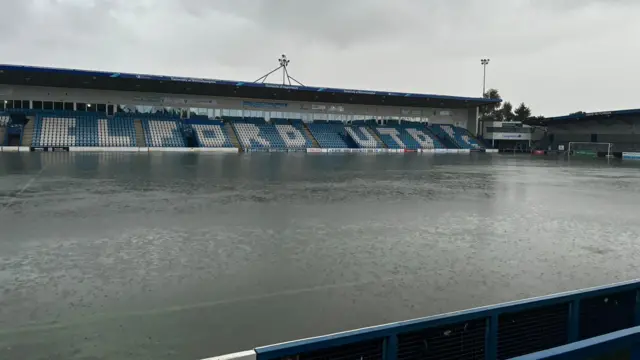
pixel 507 111
pixel 522 113
pixel 491 108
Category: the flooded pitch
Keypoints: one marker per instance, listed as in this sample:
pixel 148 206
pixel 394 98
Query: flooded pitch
pixel 185 256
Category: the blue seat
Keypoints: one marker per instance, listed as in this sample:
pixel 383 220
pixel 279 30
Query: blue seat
pixel 163 132
pixel 254 133
pixel 407 136
pixel 329 135
pixel 459 136
pixel 211 134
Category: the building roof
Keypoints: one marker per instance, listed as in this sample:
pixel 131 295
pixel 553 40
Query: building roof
pixel 600 115
pixel 102 80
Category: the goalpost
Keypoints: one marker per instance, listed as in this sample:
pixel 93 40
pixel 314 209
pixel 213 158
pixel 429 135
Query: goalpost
pixel 593 149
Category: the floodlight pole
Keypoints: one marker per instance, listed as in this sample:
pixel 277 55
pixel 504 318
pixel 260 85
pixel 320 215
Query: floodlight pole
pixel 484 63
pixel 284 63
pixel 264 77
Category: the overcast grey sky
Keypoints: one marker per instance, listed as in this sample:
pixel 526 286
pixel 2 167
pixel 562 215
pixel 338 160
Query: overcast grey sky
pixel 558 56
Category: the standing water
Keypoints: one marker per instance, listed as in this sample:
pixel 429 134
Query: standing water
pixel 184 256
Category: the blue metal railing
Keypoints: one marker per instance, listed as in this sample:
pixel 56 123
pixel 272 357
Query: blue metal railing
pixel 494 332
pixel 622 343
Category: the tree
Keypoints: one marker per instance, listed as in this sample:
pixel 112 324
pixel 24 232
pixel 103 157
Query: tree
pixel 522 113
pixel 491 108
pixel 507 112
pixel 536 120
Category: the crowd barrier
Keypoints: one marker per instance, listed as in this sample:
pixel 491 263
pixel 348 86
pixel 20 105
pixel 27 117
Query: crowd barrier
pixel 14 149
pixel 388 151
pixel 235 150
pixel 103 149
pixel 572 325
pixel 275 150
pixel 631 155
pixel 147 149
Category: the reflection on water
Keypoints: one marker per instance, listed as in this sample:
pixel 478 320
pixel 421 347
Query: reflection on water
pixel 183 256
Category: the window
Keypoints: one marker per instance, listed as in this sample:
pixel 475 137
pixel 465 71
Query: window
pixel 47 105
pixel 102 108
pixel 81 106
pixel 232 112
pixel 58 105
pixel 68 106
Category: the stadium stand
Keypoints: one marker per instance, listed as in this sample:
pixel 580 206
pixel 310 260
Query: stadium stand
pixel 458 136
pixel 252 135
pixel 329 135
pixel 288 133
pixel 211 134
pixel 410 137
pixel 116 132
pixel 4 119
pixel 163 133
pixel 78 129
pixel 255 133
pixel 362 137
pixel 293 137
pixel 52 130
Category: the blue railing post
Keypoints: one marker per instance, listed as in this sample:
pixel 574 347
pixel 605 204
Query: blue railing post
pixel 574 321
pixel 635 349
pixel 491 339
pixel 391 347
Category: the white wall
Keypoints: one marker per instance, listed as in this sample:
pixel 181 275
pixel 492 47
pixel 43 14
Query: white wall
pixel 533 134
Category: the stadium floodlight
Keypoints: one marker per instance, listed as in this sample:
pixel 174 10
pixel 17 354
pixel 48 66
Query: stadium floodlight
pixel 484 63
pixel 283 61
pixel 88 105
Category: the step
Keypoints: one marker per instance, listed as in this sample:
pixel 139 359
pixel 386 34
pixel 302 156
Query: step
pixel 375 136
pixel 27 132
pixel 140 138
pixel 310 135
pixel 232 135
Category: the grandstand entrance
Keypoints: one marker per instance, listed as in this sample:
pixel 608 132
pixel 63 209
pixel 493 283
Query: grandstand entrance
pixel 590 149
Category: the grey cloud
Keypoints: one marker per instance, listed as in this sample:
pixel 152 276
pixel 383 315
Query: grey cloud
pixel 548 53
pixel 341 23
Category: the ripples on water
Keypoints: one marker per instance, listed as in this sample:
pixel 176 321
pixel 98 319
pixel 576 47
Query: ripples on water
pixel 183 256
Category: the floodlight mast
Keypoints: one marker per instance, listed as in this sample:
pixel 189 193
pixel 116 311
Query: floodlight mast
pixel 284 63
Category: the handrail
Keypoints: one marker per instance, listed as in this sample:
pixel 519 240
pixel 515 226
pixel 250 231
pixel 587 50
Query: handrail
pixel 390 331
pixel 589 348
